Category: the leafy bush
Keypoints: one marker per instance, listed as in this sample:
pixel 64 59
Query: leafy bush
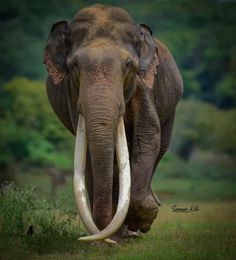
pixel 20 209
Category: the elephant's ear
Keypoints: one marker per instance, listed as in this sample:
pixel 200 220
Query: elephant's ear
pixel 148 59
pixel 56 51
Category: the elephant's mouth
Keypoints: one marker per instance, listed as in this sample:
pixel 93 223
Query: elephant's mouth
pixel 80 189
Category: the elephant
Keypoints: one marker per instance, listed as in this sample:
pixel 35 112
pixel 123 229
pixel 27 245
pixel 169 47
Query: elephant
pixel 115 87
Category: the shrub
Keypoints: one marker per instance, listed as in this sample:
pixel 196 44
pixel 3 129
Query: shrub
pixel 20 209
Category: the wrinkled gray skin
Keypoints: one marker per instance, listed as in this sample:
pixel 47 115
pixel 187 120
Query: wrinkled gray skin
pixel 104 66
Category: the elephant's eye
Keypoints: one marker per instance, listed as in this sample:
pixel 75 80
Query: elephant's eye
pixel 129 63
pixel 129 66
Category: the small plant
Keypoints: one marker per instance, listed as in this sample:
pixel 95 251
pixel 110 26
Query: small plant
pixel 22 210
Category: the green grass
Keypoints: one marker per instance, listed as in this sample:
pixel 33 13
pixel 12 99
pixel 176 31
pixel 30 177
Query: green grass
pixel 205 234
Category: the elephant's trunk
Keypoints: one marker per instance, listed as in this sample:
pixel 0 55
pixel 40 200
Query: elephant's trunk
pixel 101 121
pixel 103 136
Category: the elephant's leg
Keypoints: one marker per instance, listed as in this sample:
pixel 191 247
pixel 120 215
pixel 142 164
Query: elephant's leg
pixel 166 131
pixel 145 150
pixel 144 206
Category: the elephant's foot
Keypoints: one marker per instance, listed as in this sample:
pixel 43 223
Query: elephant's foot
pixel 142 213
pixel 130 234
pixel 124 232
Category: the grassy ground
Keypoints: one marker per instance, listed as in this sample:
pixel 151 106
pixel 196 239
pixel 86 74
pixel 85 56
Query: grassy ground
pixel 205 234
pixel 208 233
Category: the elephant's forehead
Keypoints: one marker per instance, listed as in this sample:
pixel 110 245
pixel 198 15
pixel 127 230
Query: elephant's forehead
pixel 101 13
pixel 101 21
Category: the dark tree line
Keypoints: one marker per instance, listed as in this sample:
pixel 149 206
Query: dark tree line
pixel 201 35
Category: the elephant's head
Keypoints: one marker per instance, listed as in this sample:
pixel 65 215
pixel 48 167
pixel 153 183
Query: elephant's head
pixel 102 53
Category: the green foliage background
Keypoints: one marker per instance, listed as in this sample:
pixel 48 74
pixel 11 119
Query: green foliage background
pixel 200 34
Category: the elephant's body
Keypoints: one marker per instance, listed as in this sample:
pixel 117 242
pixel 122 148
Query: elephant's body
pixel 148 115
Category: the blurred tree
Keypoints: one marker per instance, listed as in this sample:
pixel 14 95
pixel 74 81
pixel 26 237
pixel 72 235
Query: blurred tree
pixel 201 35
pixel 201 125
pixel 223 138
pixel 30 132
pixel 25 26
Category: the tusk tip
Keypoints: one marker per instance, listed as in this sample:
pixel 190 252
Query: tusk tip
pixel 110 241
pixel 91 239
pixel 84 239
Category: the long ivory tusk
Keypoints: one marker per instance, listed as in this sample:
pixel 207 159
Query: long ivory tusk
pixel 124 188
pixel 79 179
